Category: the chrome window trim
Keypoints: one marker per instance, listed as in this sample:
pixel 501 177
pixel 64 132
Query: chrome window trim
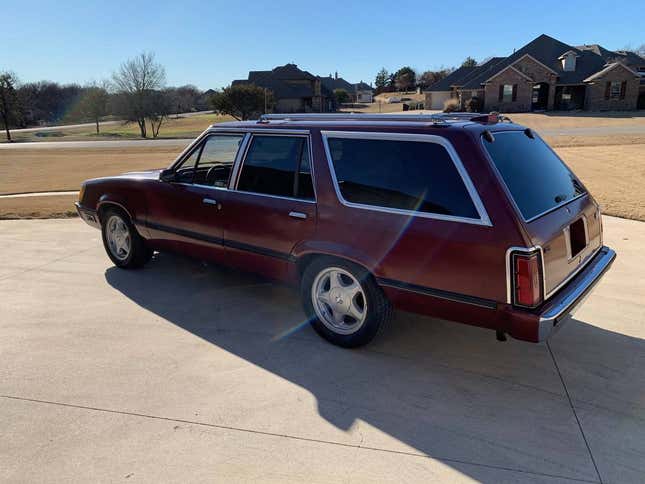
pixel 276 132
pixel 483 220
pixel 509 195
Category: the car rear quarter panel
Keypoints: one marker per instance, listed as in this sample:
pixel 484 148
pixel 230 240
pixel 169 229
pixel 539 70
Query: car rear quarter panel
pixel 458 257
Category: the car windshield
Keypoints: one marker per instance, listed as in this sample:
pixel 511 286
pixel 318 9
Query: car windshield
pixel 537 179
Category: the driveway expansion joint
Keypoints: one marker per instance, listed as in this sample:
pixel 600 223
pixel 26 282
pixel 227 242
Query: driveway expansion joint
pixel 293 437
pixel 575 414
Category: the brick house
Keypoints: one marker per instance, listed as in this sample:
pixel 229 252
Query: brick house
pixel 547 74
pixel 298 91
pixel 294 90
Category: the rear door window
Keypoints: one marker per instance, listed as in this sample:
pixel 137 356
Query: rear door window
pixel 279 166
pixel 537 179
pixel 414 176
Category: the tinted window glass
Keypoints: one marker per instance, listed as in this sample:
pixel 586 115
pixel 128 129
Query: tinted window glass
pixel 535 176
pixel 305 188
pixel 409 175
pixel 271 165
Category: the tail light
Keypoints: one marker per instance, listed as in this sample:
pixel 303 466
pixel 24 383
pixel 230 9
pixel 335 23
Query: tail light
pixel 527 279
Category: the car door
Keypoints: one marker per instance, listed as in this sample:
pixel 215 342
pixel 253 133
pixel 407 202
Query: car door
pixel 185 214
pixel 271 206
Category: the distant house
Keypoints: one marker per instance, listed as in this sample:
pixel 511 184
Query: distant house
pixel 359 92
pixel 364 93
pixel 294 90
pixel 298 91
pixel 547 74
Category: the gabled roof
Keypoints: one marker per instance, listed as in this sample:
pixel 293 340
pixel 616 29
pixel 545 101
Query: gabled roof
pixel 451 79
pixel 331 84
pixel 520 73
pixel 363 86
pixel 481 73
pixel 610 67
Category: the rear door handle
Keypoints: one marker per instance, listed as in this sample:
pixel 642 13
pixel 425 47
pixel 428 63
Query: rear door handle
pixel 298 215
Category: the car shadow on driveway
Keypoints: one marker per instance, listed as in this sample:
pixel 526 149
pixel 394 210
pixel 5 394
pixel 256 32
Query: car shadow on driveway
pixel 426 387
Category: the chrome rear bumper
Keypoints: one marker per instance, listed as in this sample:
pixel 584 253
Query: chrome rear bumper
pixel 568 299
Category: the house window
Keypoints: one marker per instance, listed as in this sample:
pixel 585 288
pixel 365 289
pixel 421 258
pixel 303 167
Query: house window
pixel 507 93
pixel 614 90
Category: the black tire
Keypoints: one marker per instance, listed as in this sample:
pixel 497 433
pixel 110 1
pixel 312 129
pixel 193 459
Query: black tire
pixel 137 255
pixel 378 308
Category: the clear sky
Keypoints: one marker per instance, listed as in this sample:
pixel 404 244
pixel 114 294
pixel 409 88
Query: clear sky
pixel 212 42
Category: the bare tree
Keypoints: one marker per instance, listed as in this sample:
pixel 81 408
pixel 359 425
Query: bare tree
pixel 159 107
pixel 136 81
pixel 94 102
pixel 8 100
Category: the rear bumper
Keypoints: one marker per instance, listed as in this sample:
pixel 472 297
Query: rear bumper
pixel 88 215
pixel 557 310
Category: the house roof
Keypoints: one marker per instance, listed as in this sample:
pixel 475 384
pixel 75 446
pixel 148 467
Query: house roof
pixel 331 84
pixel 451 79
pixel 363 86
pixel 610 67
pixel 277 81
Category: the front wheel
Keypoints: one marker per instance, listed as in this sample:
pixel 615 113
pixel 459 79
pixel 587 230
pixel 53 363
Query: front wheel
pixel 343 302
pixel 123 244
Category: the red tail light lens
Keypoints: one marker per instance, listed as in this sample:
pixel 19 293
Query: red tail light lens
pixel 527 284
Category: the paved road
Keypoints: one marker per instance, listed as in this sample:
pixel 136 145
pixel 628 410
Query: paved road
pixel 186 373
pixel 89 125
pixel 179 143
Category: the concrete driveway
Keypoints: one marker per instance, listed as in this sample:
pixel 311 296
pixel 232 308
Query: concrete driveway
pixel 182 372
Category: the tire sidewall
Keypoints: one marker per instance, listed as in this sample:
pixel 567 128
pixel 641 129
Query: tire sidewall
pixel 134 242
pixel 374 299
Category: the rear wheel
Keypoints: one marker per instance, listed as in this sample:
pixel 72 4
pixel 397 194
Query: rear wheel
pixel 343 302
pixel 123 244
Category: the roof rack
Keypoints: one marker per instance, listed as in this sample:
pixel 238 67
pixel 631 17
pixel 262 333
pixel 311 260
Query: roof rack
pixel 438 118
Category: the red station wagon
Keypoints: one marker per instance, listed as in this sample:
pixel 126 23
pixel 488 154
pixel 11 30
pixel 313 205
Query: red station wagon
pixel 461 217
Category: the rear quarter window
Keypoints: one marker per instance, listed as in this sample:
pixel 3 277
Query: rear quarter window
pixel 405 175
pixel 537 179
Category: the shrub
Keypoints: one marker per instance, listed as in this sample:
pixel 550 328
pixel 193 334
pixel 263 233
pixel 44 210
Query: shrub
pixel 474 105
pixel 451 105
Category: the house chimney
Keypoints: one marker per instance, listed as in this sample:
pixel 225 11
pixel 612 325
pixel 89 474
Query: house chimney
pixel 336 75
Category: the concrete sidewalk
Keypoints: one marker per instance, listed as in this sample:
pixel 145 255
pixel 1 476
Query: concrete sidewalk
pixel 182 372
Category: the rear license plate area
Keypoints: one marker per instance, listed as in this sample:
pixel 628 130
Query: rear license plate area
pixel 577 237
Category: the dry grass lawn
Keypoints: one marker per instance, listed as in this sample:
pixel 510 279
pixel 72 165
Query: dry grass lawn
pixel 57 206
pixel 612 167
pixel 182 127
pixel 38 170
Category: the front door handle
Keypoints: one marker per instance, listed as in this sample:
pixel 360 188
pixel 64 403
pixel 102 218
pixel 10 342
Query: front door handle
pixel 298 215
pixel 210 201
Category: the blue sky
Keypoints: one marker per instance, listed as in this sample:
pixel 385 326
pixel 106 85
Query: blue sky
pixel 210 43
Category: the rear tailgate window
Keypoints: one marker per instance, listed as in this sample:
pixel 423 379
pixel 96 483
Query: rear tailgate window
pixel 537 179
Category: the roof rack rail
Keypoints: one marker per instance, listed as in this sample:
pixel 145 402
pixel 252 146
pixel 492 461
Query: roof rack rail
pixel 437 118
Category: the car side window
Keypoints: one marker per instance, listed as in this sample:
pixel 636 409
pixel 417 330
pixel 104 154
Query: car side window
pixel 216 159
pixel 277 165
pixel 184 173
pixel 407 175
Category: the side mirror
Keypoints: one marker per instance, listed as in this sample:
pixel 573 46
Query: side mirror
pixel 167 175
